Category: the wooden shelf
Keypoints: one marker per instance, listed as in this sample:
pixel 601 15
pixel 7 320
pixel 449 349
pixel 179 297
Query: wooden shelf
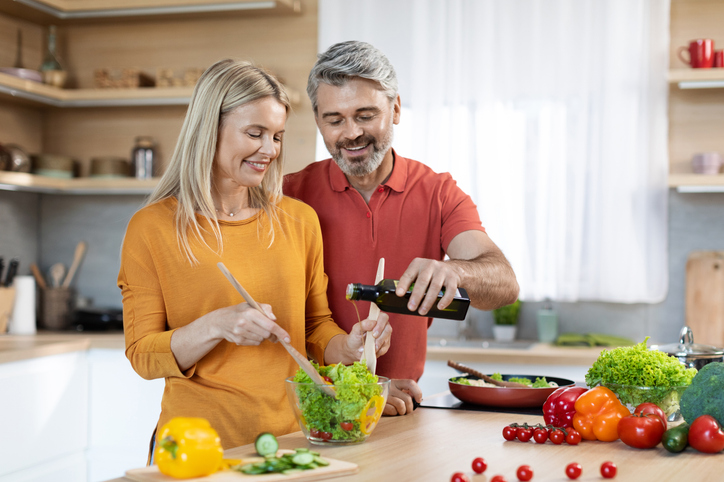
pixel 47 12
pixel 19 181
pixel 697 182
pixel 697 78
pixel 42 94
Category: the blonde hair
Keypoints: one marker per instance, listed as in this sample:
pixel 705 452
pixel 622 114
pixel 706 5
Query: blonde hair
pixel 224 86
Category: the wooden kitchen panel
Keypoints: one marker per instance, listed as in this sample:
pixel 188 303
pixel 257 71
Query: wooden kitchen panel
pixel 696 123
pixel 21 125
pixel 694 19
pixel 705 296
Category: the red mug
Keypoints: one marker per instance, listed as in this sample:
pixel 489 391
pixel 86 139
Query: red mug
pixel 701 53
pixel 719 58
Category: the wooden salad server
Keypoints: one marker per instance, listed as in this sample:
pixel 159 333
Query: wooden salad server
pixel 483 376
pixel 298 357
pixel 369 355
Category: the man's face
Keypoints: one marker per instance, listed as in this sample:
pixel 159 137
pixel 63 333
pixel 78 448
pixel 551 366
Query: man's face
pixel 356 122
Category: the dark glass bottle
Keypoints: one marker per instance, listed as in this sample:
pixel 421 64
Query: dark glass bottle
pixel 383 295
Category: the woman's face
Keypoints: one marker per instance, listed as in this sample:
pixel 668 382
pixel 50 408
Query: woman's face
pixel 250 138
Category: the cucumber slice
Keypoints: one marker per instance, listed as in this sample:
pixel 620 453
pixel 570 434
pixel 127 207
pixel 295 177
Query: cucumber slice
pixel 303 459
pixel 266 444
pixel 320 461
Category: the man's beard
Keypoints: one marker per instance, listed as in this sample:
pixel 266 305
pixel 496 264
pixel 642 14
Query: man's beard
pixel 359 167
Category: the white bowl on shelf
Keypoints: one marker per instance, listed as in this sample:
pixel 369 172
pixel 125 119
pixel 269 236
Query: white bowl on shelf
pixel 27 74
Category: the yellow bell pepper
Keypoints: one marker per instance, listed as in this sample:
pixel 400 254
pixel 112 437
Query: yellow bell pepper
pixel 188 447
pixel 597 414
pixel 371 414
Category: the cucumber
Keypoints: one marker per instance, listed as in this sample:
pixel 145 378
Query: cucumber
pixel 266 444
pixel 675 439
pixel 303 458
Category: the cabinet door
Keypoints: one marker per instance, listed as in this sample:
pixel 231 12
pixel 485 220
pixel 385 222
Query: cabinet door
pixel 44 418
pixel 124 409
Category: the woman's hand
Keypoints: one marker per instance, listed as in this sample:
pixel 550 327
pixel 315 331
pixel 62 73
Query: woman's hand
pixel 244 325
pixel 399 401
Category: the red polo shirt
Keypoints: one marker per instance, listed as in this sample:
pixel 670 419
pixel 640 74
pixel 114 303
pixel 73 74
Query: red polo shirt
pixel 416 213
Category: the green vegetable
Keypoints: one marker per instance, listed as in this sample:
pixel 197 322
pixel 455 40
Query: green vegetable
pixel 637 366
pixel 266 444
pixel 507 315
pixel 676 438
pixel 540 382
pixel 704 395
pixel 497 376
pixel 355 386
pixel 290 463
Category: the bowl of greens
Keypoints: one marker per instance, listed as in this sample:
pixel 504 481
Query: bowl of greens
pixel 637 374
pixel 347 418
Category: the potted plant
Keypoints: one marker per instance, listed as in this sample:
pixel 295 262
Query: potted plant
pixel 506 319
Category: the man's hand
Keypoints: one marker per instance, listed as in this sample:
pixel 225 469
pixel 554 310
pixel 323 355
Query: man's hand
pixel 429 277
pixel 399 401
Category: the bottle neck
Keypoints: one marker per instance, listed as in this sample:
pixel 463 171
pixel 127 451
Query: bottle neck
pixel 357 291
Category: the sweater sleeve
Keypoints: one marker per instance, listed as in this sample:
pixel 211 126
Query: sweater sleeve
pixel 148 339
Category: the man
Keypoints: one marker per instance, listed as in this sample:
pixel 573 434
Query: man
pixel 373 203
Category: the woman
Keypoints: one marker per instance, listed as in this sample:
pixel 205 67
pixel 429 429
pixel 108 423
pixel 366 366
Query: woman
pixel 220 200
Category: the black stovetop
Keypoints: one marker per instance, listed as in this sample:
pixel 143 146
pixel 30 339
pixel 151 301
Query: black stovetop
pixel 448 401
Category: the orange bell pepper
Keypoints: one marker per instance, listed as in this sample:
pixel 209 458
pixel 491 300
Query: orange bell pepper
pixel 597 414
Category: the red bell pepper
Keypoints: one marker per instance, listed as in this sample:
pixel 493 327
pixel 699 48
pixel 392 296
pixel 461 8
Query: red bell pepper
pixel 705 435
pixel 558 409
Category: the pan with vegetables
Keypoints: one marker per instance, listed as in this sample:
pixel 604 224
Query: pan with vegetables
pixel 533 392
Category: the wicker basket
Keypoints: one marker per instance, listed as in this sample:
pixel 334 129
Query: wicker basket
pixel 56 308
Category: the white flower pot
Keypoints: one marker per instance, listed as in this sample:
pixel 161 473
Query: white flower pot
pixel 504 332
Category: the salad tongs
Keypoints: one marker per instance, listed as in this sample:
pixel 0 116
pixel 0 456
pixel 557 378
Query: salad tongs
pixel 298 357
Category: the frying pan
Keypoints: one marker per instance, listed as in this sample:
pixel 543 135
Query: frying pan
pixel 517 397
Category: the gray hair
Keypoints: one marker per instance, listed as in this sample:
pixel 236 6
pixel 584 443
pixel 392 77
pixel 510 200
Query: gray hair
pixel 346 60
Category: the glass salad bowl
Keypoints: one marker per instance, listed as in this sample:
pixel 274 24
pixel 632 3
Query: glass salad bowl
pixel 346 419
pixel 667 398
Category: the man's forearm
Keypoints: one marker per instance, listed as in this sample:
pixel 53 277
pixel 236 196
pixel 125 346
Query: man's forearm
pixel 489 280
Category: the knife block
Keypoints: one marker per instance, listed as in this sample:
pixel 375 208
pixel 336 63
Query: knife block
pixel 7 301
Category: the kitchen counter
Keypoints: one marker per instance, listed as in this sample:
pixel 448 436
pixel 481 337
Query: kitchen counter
pixel 432 444
pixel 45 343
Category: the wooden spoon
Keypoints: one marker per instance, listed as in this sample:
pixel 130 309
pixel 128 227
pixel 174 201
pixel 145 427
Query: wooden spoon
pixel 77 258
pixel 57 272
pixel 298 357
pixel 483 376
pixel 369 355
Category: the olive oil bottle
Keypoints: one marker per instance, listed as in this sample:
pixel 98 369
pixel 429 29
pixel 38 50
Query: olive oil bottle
pixel 383 295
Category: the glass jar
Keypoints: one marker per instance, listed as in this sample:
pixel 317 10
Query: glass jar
pixel 143 158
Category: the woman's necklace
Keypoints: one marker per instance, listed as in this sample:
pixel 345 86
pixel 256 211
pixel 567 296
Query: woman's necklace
pixel 230 214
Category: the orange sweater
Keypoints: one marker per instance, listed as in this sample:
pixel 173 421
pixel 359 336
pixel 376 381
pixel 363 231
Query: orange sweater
pixel 239 389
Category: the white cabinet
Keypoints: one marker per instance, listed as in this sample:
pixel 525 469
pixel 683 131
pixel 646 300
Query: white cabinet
pixel 84 416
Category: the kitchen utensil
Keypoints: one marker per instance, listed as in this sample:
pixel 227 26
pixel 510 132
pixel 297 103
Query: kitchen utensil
pixel 77 258
pixel 300 359
pixel 718 59
pixel 705 296
pixel 513 397
pixel 12 271
pixel 57 272
pixel 19 52
pixel 336 468
pixel 701 53
pixel 369 354
pixel 691 354
pixel 482 376
pixel 56 308
pixel 38 276
pixel 2 268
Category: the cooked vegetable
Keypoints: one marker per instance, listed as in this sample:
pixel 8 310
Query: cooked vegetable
pixel 266 444
pixel 540 382
pixel 559 407
pixel 676 439
pixel 288 463
pixel 704 395
pixel 637 366
pixel 705 435
pixel 188 447
pixel 641 430
pixel 598 412
pixel 356 389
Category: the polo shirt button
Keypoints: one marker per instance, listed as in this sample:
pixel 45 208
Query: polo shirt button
pixel 368 214
pixel 382 189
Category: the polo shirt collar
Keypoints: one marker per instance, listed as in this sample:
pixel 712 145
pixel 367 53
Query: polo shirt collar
pixel 396 181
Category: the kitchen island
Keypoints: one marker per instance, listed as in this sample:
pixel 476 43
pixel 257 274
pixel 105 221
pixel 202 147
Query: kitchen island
pixel 432 444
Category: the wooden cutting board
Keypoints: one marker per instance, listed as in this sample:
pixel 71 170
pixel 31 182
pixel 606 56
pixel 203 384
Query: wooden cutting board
pixel 705 296
pixel 336 468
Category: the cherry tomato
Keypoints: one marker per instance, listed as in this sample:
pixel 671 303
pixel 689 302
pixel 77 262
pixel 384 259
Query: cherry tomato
pixel 498 478
pixel 652 408
pixel 641 431
pixel 459 477
pixel 325 435
pixel 524 473
pixel 540 435
pixel 346 426
pixel 509 433
pixel 524 434
pixel 314 433
pixel 557 437
pixel 479 465
pixel 573 437
pixel 573 471
pixel 328 380
pixel 608 470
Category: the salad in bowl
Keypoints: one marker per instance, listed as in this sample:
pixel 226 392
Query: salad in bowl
pixel 348 417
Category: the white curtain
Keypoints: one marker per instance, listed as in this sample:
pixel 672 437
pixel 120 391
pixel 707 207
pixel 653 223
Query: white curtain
pixel 551 115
